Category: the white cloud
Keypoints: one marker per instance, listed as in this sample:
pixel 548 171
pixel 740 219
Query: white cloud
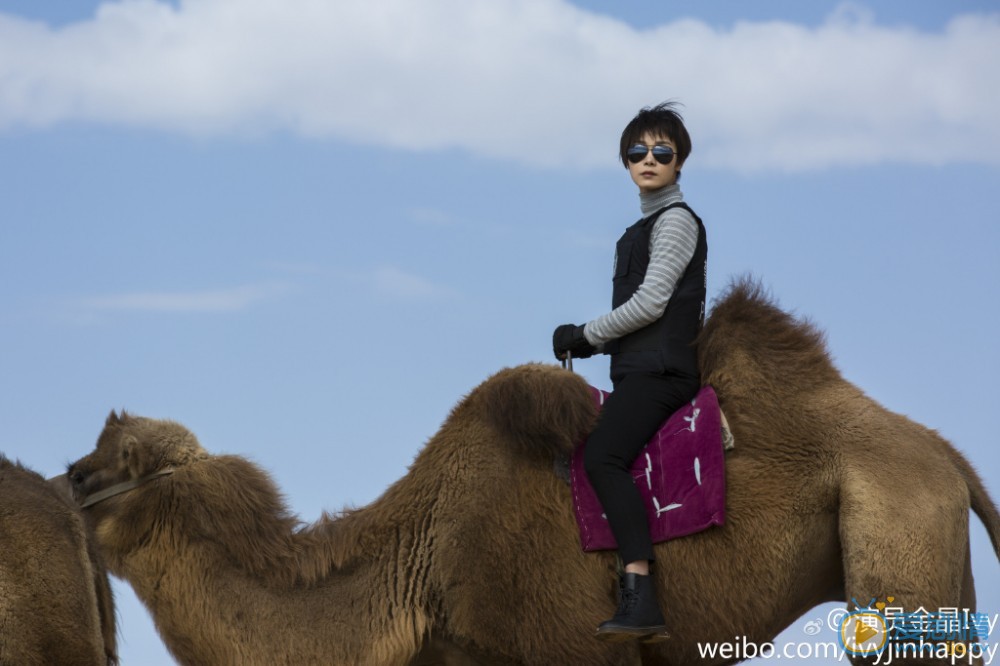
pixel 398 283
pixel 529 80
pixel 432 217
pixel 217 300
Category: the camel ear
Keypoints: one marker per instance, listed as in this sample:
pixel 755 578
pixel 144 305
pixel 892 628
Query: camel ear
pixel 117 419
pixel 132 456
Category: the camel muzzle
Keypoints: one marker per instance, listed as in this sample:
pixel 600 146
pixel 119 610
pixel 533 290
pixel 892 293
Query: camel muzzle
pixel 119 488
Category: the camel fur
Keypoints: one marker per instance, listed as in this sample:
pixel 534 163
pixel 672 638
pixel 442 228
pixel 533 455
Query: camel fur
pixel 830 497
pixel 56 605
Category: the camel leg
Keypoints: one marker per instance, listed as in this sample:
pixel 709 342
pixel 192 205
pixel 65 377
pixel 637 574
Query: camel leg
pixel 904 548
pixel 968 584
pixel 969 592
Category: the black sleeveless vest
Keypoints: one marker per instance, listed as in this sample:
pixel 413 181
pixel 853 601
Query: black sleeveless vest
pixel 667 344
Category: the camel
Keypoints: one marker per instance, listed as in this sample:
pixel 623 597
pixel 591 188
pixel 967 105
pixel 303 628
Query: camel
pixel 474 553
pixel 56 605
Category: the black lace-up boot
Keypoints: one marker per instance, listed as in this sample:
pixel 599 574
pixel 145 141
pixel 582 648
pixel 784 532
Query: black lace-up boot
pixel 638 614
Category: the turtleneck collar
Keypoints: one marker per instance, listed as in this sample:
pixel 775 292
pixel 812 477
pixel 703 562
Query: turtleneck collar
pixel 653 201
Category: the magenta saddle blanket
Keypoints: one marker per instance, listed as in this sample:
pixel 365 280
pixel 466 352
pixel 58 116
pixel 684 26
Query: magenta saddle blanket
pixel 680 475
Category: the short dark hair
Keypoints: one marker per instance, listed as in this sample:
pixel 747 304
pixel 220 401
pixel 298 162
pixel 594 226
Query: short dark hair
pixel 660 120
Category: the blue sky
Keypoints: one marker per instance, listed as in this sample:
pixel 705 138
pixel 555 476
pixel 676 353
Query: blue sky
pixel 305 230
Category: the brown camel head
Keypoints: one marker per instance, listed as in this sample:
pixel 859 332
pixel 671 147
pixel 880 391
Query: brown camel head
pixel 125 474
pixel 120 458
pixel 129 453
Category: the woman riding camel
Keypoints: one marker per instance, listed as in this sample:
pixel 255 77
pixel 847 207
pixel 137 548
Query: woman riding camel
pixel 658 303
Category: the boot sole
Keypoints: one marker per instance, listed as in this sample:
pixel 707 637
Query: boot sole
pixel 622 635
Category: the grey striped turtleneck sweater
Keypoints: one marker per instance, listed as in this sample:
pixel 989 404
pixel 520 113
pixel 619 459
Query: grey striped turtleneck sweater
pixel 671 246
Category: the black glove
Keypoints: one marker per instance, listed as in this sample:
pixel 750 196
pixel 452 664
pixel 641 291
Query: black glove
pixel 570 338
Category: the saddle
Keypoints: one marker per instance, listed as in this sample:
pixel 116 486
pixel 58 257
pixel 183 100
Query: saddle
pixel 680 475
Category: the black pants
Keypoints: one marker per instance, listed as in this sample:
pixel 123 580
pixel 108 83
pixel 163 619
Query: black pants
pixel 630 416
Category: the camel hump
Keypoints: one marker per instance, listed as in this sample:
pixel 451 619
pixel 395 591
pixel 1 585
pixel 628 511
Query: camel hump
pixel 747 335
pixel 540 410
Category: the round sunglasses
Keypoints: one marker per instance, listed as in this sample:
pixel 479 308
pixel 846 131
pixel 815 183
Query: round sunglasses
pixel 638 152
